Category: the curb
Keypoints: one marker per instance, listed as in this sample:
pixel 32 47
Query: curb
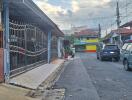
pixel 48 83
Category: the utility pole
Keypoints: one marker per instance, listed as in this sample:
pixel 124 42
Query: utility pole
pixel 106 32
pixel 118 22
pixel 118 15
pixel 99 31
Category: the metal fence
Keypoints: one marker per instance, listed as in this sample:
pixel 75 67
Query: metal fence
pixel 28 46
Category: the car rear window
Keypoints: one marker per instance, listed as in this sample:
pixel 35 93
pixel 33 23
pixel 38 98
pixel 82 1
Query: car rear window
pixel 128 47
pixel 111 47
pixel 125 46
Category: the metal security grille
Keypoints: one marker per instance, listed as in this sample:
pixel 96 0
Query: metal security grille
pixel 28 46
pixel 54 51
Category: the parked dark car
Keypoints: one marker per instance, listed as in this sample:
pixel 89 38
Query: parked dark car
pixel 126 56
pixel 110 51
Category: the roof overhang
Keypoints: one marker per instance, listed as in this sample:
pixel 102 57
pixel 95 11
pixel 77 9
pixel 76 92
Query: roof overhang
pixel 126 24
pixel 28 11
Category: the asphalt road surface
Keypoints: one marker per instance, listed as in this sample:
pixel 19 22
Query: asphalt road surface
pixel 86 78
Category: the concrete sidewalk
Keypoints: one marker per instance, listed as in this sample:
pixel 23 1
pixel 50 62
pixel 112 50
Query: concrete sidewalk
pixel 10 92
pixel 35 77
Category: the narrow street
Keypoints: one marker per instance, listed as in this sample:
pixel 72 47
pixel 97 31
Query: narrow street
pixel 47 49
pixel 86 78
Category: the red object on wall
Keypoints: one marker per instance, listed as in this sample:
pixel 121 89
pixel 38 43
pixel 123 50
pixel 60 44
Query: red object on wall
pixel 90 50
pixel 66 55
pixel 1 65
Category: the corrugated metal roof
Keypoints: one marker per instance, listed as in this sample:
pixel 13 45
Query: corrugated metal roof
pixel 86 32
pixel 126 24
pixel 28 11
pixel 122 31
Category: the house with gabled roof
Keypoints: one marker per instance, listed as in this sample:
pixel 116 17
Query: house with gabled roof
pixel 113 36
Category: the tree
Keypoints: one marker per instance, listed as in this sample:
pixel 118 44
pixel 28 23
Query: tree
pixel 70 38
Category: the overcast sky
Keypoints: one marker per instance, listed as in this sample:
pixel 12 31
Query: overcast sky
pixel 67 13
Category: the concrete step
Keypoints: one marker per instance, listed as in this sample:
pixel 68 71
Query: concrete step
pixel 41 77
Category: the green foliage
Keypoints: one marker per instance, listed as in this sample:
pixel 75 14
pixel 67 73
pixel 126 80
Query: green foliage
pixel 67 49
pixel 70 38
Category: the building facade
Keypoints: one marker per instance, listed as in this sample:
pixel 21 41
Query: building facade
pixel 86 40
pixel 28 38
pixel 115 35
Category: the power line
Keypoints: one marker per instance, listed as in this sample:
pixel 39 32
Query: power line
pixel 126 5
pixel 94 18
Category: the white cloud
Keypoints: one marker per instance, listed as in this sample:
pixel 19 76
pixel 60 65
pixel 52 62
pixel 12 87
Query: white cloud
pixel 75 5
pixel 79 12
pixel 51 9
pixel 99 2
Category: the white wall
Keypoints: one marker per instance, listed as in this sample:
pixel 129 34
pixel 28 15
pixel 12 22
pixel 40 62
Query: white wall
pixel 131 37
